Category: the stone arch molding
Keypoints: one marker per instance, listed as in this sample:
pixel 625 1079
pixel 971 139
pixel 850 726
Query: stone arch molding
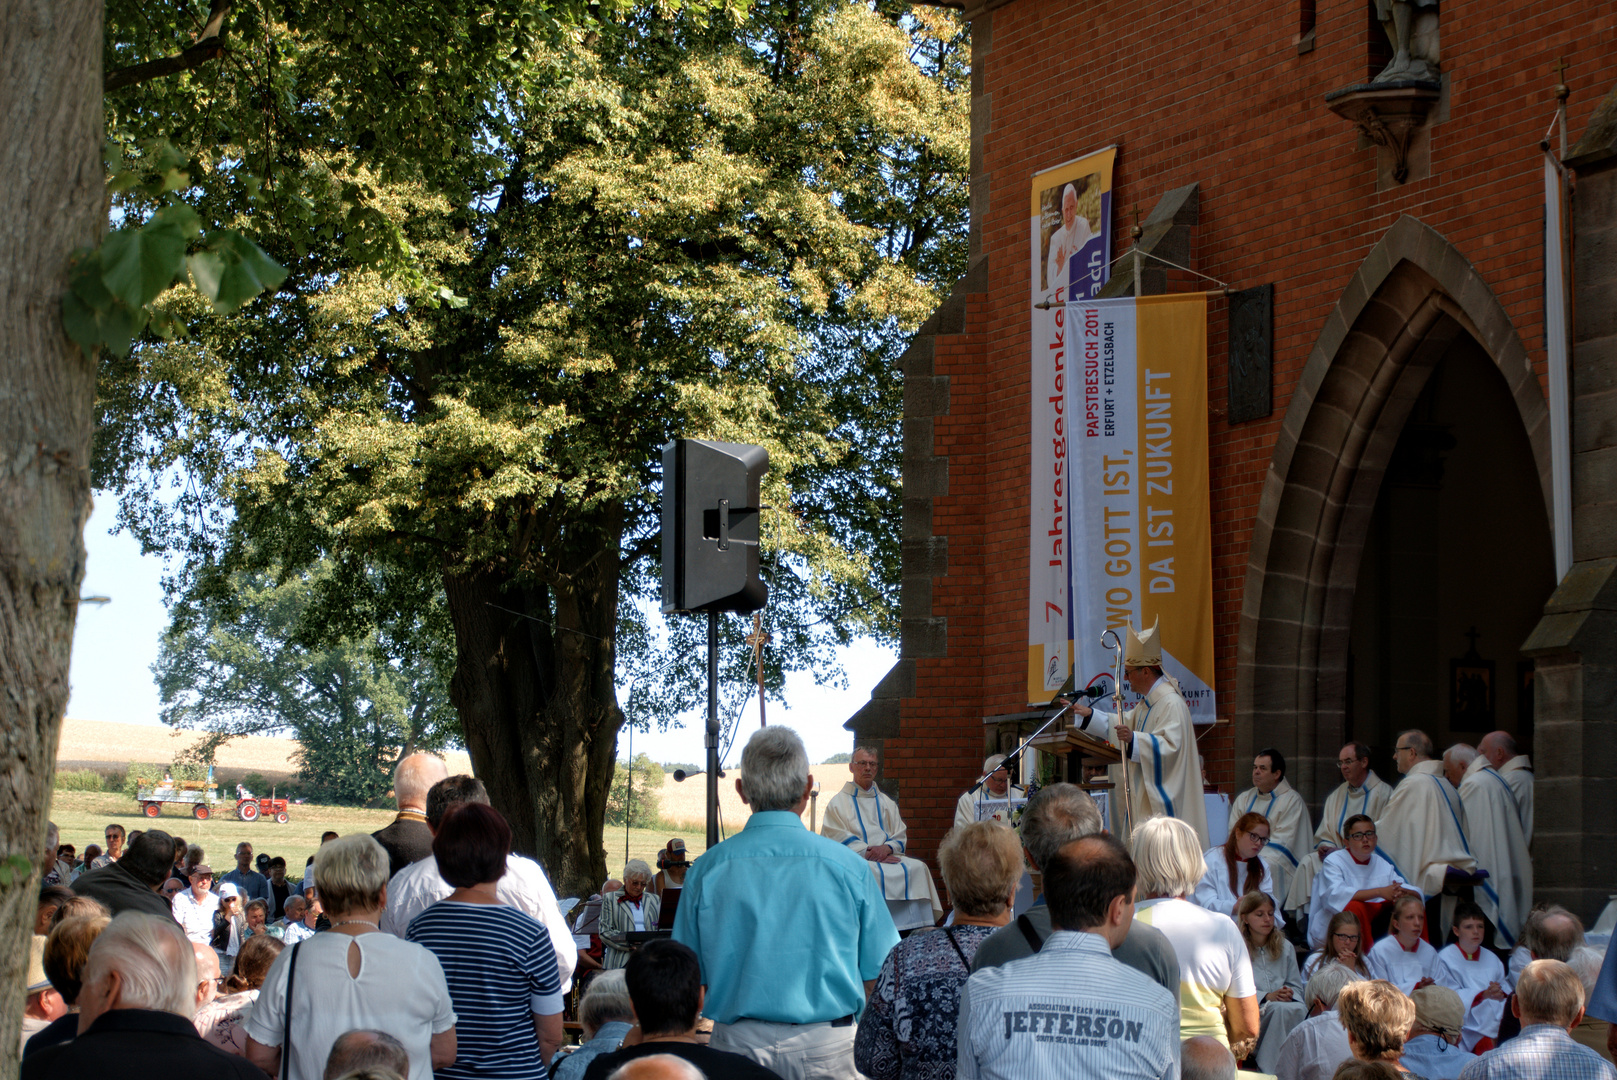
pixel 1412 298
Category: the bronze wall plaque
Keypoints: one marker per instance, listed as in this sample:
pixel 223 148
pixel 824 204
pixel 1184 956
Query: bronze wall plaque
pixel 1251 388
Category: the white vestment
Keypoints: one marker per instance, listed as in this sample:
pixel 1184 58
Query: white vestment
pixel 1422 830
pixel 1288 831
pixel 965 809
pixel 1064 244
pixel 1469 976
pixel 860 819
pixel 1369 799
pixel 1518 771
pixel 1389 960
pixel 1164 766
pixel 1494 829
pixel 1341 879
pixel 1213 892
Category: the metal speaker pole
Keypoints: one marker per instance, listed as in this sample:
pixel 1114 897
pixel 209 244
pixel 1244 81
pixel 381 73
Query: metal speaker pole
pixel 712 729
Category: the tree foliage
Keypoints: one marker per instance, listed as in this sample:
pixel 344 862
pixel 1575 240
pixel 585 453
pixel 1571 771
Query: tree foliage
pixel 242 663
pixel 660 226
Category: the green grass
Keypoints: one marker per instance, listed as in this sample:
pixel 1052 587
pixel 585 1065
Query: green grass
pixel 83 817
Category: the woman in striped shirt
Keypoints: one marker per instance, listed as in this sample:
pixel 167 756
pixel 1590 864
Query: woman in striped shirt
pixel 497 959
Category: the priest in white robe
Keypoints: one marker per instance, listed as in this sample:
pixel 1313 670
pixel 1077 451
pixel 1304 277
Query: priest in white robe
pixel 1494 831
pixel 997 793
pixel 1157 738
pixel 1499 747
pixel 1422 830
pixel 1361 792
pixel 1273 796
pixel 867 821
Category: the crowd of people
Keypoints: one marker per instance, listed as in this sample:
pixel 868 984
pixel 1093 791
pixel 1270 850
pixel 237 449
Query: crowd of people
pixel 430 949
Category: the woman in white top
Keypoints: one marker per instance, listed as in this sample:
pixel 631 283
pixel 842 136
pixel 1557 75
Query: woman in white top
pixel 352 976
pixel 1402 957
pixel 1475 974
pixel 1214 970
pixel 1234 868
pixel 1274 973
pixel 1353 878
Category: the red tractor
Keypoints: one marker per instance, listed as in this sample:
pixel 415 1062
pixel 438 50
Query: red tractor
pixel 251 809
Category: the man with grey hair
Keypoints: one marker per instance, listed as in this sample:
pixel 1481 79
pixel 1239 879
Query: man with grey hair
pixel 1202 1057
pixel 366 1049
pixel 1422 830
pixel 863 818
pixel 755 909
pixel 1056 816
pixel 408 840
pixel 55 870
pixel 997 792
pixel 1319 1044
pixel 135 1006
pixel 1549 1001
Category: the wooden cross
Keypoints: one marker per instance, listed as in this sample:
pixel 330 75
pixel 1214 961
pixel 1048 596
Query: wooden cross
pixel 1560 69
pixel 1472 635
pixel 758 639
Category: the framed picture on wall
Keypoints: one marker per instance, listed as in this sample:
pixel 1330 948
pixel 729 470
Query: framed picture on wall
pixel 1471 693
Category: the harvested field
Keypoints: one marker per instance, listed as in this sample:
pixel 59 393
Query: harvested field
pixel 98 744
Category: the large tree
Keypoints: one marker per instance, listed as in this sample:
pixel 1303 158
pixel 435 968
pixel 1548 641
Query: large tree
pixel 50 147
pixel 247 661
pixel 668 226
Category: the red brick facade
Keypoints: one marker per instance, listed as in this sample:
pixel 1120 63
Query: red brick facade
pixel 1218 95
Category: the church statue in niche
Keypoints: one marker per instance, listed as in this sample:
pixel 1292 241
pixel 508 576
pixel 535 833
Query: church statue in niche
pixel 1411 26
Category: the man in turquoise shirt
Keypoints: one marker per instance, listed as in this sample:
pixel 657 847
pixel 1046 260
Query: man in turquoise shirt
pixel 791 928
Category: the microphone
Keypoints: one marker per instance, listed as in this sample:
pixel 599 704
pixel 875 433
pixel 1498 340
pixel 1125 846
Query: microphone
pixel 681 774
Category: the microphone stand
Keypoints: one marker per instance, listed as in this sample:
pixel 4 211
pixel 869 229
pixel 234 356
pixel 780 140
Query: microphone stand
pixel 1015 756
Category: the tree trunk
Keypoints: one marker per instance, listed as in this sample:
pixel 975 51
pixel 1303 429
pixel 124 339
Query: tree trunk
pixel 538 704
pixel 50 167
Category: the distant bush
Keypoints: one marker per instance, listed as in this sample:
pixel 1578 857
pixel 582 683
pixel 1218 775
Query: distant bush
pixel 80 780
pixel 674 766
pixel 256 783
pixel 838 759
pixel 635 794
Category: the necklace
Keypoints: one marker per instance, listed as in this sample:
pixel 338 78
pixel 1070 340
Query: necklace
pixel 356 922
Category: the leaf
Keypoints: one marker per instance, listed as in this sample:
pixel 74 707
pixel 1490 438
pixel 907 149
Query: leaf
pixel 138 263
pixel 233 271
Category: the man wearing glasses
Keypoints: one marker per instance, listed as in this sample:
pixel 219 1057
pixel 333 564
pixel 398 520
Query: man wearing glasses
pixel 1361 792
pixel 1355 880
pixel 1422 829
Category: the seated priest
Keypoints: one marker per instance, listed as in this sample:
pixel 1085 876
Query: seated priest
pixel 997 792
pixel 867 821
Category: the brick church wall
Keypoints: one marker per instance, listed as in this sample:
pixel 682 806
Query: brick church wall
pixel 1219 95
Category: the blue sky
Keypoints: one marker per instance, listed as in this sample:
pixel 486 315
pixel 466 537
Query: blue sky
pixel 115 645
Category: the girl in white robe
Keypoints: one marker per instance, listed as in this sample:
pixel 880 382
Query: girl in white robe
pixel 1475 974
pixel 1274 973
pixel 1402 957
pixel 1237 858
pixel 1356 872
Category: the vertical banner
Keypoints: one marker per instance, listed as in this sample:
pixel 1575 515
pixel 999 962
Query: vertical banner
pixel 1141 530
pixel 1071 242
pixel 1557 350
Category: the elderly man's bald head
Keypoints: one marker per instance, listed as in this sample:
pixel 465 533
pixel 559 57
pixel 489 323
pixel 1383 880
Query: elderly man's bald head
pixel 414 778
pixel 207 972
pixel 360 1050
pixel 1203 1057
pixel 1498 747
pixel 658 1067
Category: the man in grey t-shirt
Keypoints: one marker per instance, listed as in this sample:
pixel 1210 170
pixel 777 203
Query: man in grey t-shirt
pixel 1058 815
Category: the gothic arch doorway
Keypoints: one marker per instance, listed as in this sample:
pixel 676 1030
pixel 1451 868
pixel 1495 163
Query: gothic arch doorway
pixel 1417 353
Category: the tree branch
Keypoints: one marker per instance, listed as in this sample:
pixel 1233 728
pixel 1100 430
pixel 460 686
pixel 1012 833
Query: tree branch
pixel 208 46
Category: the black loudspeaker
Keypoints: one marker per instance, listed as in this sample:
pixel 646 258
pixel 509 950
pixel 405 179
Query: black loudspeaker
pixel 710 526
